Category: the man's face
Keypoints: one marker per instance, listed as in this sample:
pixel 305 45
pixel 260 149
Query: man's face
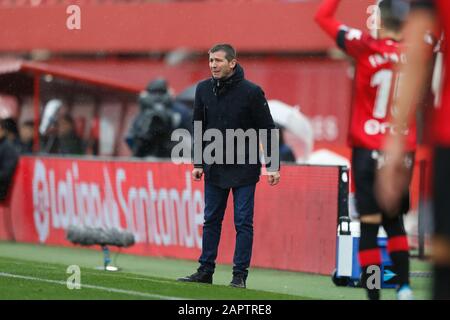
pixel 26 133
pixel 64 127
pixel 220 66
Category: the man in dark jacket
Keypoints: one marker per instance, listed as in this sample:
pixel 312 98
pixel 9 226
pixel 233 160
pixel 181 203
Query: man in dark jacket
pixel 66 141
pixel 8 161
pixel 229 101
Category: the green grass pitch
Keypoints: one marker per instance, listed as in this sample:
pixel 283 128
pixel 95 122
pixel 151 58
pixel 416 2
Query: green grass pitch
pixel 30 271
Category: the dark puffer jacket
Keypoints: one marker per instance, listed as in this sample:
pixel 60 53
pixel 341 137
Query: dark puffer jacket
pixel 234 103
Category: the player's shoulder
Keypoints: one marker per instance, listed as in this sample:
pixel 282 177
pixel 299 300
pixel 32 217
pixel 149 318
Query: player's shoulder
pixel 353 33
pixel 381 46
pixel 360 38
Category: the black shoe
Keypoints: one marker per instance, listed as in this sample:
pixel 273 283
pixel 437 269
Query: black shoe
pixel 238 281
pixel 199 276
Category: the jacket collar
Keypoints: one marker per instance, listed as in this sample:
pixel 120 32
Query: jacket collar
pixel 220 86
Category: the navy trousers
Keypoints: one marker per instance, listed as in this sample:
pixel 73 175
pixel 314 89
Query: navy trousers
pixel 215 205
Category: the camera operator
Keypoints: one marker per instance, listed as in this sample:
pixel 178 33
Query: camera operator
pixel 149 134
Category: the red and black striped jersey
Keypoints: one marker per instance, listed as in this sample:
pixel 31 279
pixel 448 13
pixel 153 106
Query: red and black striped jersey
pixel 375 85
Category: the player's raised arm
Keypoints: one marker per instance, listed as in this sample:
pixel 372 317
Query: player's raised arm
pixel 325 17
pixel 353 41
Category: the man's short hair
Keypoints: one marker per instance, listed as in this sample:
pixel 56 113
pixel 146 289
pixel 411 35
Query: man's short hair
pixel 230 52
pixel 28 123
pixel 10 125
pixel 393 13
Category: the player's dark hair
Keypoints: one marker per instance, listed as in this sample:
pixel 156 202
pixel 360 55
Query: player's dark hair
pixel 394 13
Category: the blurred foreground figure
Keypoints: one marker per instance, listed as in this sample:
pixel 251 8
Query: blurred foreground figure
pixel 426 16
pixel 376 60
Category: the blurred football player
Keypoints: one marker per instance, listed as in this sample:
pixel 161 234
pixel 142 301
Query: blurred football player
pixel 426 15
pixel 376 79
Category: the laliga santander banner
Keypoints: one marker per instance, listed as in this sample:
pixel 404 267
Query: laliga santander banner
pixel 156 202
pixel 294 222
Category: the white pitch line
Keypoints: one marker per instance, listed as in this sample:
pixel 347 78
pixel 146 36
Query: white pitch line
pixel 131 278
pixel 89 286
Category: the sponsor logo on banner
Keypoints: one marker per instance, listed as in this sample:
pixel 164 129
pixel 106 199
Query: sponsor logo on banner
pixel 163 207
pixel 160 216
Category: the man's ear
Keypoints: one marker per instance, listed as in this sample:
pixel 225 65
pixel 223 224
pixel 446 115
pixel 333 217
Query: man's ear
pixel 233 63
